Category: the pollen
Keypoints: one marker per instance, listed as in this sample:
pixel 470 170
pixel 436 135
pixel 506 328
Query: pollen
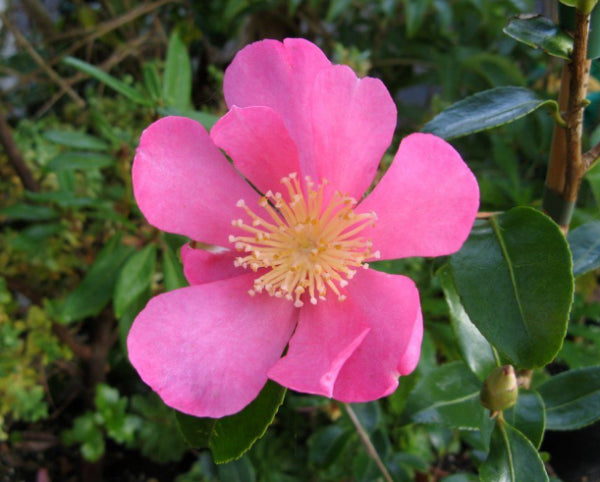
pixel 306 242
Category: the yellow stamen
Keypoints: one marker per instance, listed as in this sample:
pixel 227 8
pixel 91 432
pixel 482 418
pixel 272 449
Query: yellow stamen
pixel 308 244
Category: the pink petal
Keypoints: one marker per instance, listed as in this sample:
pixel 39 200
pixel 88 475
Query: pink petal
pixel 390 304
pixel 279 75
pixel 183 184
pixel 259 144
pixel 326 335
pixel 201 266
pixel 353 123
pixel 206 349
pixel 426 203
pixel 408 362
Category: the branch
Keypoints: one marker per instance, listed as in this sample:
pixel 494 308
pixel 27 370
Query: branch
pixel 14 155
pixel 591 156
pixel 21 40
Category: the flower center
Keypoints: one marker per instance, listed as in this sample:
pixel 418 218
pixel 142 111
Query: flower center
pixel 308 243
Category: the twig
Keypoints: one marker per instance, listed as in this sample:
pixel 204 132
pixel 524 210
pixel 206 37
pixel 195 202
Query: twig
pixel 114 59
pixel 107 27
pixel 14 155
pixel 80 350
pixel 40 17
pixel 366 441
pixel 40 61
pixel 591 156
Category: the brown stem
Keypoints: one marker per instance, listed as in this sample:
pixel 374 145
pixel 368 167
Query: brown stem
pixel 580 71
pixel 366 441
pixel 566 168
pixel 80 350
pixel 14 155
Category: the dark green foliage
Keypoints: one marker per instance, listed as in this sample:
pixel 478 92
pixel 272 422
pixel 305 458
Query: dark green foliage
pixel 78 261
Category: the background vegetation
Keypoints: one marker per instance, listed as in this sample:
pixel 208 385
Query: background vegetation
pixel 79 81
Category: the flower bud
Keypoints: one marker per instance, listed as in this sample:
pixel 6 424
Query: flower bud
pixel 500 390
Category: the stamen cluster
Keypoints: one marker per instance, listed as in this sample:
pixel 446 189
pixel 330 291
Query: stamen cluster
pixel 308 240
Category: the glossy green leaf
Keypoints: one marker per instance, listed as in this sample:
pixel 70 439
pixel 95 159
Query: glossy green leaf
pixel 585 246
pixel 572 398
pixel 540 32
pixel 512 458
pixel 96 289
pixel 80 160
pixel 486 110
pixel 28 212
pixel 172 268
pixel 474 348
pixel 528 416
pixel 177 77
pixel 121 87
pixel 513 275
pixel 449 395
pixel 230 437
pixel 77 140
pixel 134 278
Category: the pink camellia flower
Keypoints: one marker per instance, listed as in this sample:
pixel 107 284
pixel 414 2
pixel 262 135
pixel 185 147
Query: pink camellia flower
pixel 296 236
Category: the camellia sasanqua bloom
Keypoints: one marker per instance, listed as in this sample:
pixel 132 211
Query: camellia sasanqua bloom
pixel 290 296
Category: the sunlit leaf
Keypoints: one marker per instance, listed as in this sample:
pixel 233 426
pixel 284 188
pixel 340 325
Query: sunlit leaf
pixel 540 32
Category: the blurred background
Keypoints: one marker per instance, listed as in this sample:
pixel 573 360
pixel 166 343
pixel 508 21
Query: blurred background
pixel 80 80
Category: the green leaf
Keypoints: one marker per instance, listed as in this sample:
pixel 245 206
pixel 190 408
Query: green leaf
pixel 152 80
pixel 77 140
pixel 177 78
pixel 512 458
pixel 121 87
pixel 585 246
pixel 88 433
pixel 80 160
pixel 449 395
pixel 28 212
pixel 327 444
pixel 113 410
pixel 173 277
pixel 474 348
pixel 572 398
pixel 528 416
pixel 96 289
pixel 514 277
pixel 205 118
pixel 541 33
pixel 230 437
pixel 486 110
pixel 336 8
pixel 237 471
pixel 415 15
pixel 134 278
pixel 158 437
